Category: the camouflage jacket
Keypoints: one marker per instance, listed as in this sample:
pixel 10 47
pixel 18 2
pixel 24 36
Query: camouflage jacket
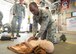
pixel 46 22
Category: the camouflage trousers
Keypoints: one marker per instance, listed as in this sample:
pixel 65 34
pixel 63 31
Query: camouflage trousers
pixel 48 35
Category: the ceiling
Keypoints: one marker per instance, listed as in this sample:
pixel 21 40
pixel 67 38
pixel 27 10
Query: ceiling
pixel 12 1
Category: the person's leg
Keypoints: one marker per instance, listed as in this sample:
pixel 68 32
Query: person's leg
pixel 44 35
pixel 50 35
pixel 13 25
pixel 0 25
pixel 19 25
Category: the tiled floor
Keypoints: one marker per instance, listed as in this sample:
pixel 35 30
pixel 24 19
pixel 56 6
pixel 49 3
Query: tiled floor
pixel 61 48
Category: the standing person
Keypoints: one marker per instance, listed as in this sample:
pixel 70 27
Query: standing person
pixel 44 19
pixel 1 17
pixel 18 14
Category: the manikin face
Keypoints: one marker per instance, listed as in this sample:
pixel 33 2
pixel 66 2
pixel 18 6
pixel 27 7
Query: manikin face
pixel 34 9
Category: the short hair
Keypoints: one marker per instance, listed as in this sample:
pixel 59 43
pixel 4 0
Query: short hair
pixel 33 3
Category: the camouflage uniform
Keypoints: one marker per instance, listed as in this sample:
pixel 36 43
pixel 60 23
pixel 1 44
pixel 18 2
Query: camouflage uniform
pixel 47 29
pixel 19 11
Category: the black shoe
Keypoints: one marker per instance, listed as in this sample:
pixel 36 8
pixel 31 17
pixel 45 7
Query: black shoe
pixel 18 35
pixel 12 35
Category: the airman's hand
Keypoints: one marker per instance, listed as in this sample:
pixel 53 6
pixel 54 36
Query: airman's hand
pixel 32 38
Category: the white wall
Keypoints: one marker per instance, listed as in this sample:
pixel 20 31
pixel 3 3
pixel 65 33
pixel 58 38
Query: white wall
pixel 5 8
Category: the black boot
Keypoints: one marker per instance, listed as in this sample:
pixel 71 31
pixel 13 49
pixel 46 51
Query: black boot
pixel 63 38
pixel 18 35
